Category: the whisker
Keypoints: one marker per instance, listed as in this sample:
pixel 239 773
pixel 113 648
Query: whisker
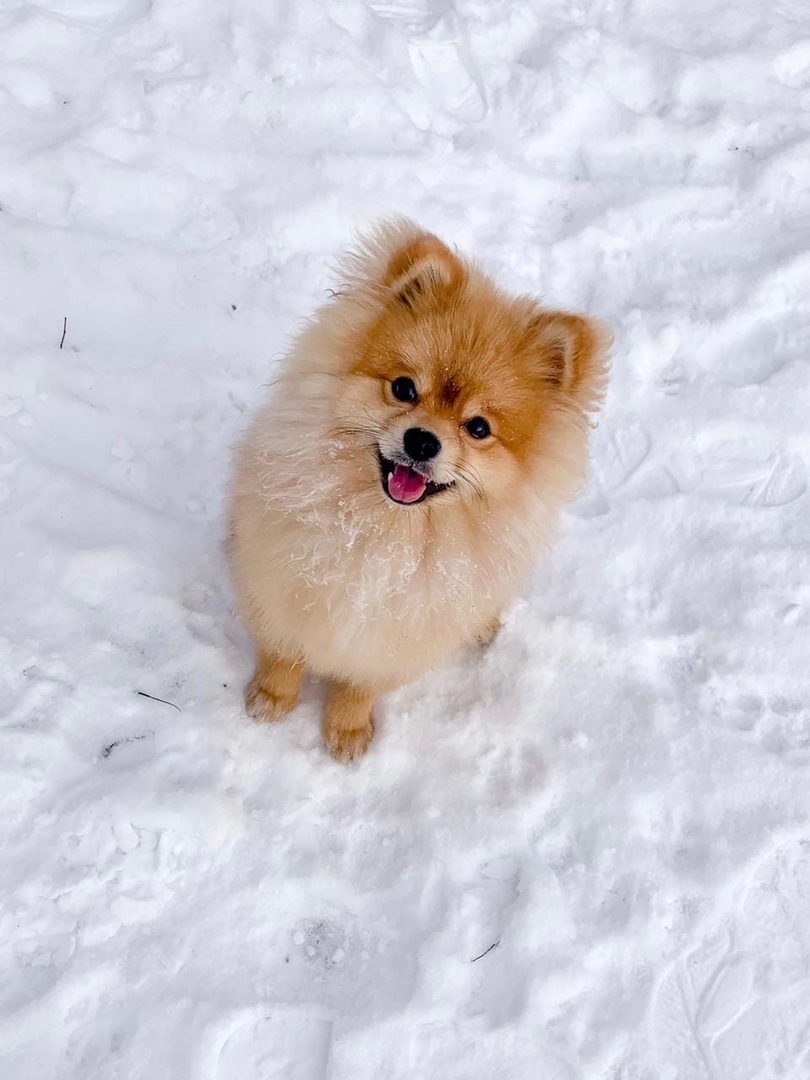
pixel 469 476
pixel 352 429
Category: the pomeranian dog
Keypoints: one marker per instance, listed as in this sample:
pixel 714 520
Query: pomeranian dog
pixel 392 495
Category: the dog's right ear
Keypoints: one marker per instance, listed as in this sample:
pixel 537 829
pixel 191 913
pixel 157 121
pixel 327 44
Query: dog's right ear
pixel 422 269
pixel 569 353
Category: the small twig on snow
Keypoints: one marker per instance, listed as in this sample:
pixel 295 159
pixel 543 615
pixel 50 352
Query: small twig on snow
pixel 163 701
pixel 494 945
pixel 64 332
pixel 108 749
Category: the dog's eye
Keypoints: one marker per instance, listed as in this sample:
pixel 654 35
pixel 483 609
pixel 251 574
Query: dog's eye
pixel 404 390
pixel 477 427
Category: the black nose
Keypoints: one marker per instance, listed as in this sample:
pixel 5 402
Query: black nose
pixel 420 445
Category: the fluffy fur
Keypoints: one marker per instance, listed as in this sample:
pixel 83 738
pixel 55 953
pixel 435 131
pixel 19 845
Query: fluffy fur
pixel 335 577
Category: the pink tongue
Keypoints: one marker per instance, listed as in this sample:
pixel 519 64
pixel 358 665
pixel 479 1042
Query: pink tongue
pixel 406 485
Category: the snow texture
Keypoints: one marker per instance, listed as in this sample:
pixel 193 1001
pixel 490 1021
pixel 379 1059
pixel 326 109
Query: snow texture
pixel 617 792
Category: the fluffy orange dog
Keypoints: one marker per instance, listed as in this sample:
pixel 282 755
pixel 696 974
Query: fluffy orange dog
pixel 394 492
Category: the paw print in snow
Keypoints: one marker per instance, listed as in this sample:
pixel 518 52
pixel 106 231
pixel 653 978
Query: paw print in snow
pixel 323 944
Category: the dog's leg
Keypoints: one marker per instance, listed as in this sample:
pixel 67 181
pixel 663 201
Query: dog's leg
pixel 273 690
pixel 347 724
pixel 490 632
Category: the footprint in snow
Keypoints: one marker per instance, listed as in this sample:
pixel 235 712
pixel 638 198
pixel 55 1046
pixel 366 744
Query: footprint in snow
pixel 750 358
pixel 740 472
pixel 619 451
pixel 792 65
pixel 735 1005
pixel 781 725
pixel 440 56
pixel 283 1045
pixel 620 456
pixel 99 12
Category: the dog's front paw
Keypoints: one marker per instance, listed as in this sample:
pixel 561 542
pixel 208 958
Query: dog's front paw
pixel 346 746
pixel 273 690
pixel 348 725
pixel 264 706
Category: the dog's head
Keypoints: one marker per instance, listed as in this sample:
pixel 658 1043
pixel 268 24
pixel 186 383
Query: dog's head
pixel 451 392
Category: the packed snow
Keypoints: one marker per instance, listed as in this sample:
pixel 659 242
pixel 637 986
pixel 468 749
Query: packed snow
pixel 583 853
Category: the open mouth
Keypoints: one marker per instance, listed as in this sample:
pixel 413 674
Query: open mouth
pixel 405 485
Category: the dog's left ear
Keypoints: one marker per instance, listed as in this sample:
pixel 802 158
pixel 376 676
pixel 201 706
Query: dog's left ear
pixel 422 269
pixel 570 352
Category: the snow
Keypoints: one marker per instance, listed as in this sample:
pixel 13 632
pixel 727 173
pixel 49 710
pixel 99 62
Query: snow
pixel 617 792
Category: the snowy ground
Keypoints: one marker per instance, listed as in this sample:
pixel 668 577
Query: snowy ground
pixel 188 897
